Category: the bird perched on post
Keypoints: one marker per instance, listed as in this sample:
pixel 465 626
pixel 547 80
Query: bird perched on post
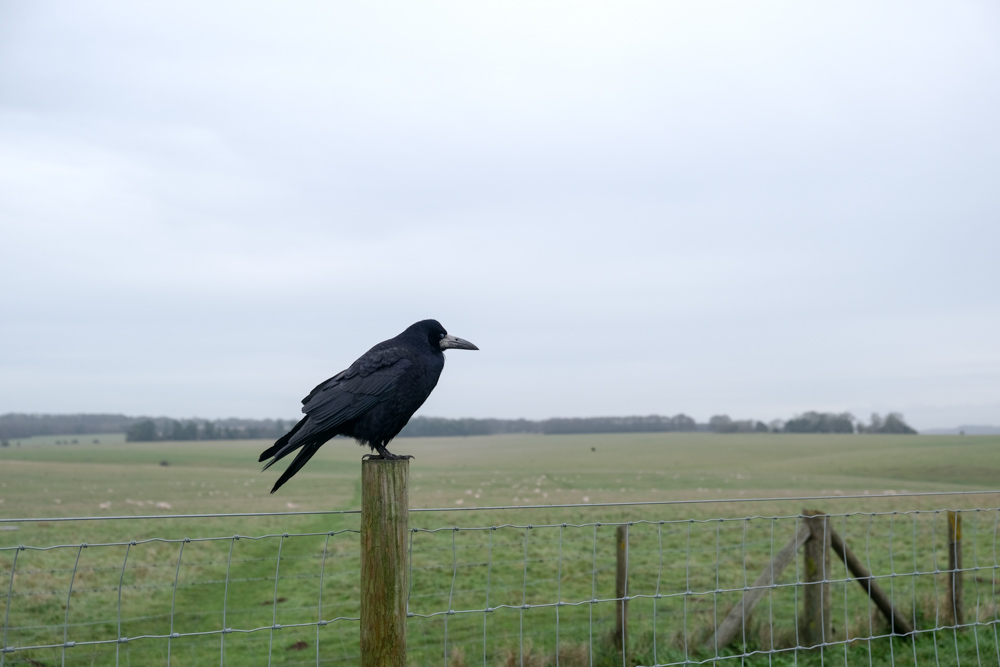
pixel 373 399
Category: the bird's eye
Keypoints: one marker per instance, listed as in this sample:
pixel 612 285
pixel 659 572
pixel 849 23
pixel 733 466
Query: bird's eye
pixel 440 335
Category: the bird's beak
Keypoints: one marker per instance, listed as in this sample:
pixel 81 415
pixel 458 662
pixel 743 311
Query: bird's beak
pixel 456 343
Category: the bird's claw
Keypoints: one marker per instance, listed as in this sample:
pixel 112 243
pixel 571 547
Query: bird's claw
pixel 387 457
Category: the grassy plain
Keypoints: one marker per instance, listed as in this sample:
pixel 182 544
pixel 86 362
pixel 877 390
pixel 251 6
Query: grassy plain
pixel 690 553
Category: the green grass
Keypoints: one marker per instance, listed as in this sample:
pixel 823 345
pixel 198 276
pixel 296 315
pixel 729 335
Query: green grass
pixel 450 568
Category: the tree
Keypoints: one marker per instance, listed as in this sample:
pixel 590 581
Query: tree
pixel 821 422
pixel 144 431
pixel 682 422
pixel 176 430
pixel 894 424
pixel 720 424
pixel 876 424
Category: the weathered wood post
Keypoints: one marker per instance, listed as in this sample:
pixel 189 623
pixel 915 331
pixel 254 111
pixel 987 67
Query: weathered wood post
pixel 954 594
pixel 385 525
pixel 621 587
pixel 816 618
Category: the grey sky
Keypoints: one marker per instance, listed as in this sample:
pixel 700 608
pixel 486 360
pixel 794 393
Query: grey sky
pixel 632 208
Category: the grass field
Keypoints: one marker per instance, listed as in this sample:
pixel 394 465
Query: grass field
pixel 680 558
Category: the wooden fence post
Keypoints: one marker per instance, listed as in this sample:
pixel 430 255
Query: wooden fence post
pixel 954 589
pixel 816 618
pixel 621 587
pixel 385 527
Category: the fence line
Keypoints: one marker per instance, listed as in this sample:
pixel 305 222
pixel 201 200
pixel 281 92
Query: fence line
pixel 526 587
pixel 719 589
pixel 122 639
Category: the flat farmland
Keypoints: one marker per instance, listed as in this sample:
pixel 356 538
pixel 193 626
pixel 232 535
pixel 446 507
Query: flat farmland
pixel 679 551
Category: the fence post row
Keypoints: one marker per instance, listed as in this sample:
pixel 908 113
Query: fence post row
pixel 385 526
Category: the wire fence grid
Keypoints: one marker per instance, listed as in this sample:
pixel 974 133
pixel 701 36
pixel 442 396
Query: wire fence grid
pixel 507 593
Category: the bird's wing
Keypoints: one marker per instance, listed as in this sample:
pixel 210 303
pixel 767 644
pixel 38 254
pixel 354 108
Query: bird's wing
pixel 351 393
pixel 345 396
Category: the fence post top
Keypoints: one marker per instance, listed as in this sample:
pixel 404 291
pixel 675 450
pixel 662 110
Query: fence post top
pixel 380 461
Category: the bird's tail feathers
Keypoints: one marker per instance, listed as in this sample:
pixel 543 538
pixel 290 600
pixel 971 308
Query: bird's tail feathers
pixel 296 465
pixel 275 450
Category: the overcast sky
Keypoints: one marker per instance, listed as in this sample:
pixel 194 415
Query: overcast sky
pixel 746 208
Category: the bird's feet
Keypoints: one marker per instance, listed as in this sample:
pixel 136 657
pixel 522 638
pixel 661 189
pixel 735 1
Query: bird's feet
pixel 385 455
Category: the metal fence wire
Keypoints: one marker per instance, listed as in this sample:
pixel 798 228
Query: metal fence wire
pixel 520 593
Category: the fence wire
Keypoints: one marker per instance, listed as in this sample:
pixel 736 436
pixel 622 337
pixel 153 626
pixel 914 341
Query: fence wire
pixel 550 590
pixel 166 599
pixel 520 593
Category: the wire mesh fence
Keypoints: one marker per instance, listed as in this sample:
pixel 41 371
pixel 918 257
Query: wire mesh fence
pixel 485 589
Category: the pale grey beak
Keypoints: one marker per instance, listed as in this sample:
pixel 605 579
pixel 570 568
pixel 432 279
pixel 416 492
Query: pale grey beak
pixel 456 343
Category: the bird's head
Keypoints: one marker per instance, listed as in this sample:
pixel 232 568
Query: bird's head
pixel 440 339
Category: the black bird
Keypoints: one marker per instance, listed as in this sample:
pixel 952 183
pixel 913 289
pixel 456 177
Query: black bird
pixel 373 399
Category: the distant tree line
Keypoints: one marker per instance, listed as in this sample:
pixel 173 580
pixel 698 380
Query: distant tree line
pixel 821 422
pixel 149 430
pixel 723 424
pixel 845 422
pixel 809 422
pixel 422 427
pixel 648 424
pixel 892 423
pixel 439 426
pixel 18 425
